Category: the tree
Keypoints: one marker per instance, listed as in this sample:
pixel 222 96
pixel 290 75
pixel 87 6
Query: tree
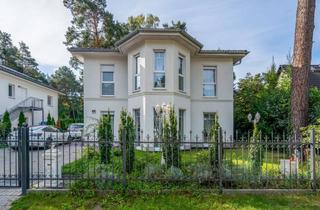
pixel 171 142
pixel 21 120
pixel 8 52
pixel 127 136
pixel 49 119
pixel 301 63
pixel 143 21
pixel 6 123
pixel 70 104
pixel 105 138
pixel 257 151
pixel 214 145
pixel 176 25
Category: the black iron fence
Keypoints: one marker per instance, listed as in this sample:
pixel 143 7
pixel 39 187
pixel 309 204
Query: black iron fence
pixel 55 160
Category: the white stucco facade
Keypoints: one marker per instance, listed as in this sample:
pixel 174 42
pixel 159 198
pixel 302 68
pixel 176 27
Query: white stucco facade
pixel 191 99
pixel 23 89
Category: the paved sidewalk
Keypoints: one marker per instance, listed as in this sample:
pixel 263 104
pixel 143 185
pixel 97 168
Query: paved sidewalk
pixel 7 196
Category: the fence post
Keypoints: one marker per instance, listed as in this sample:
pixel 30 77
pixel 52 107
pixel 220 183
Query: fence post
pixel 23 138
pixel 313 164
pixel 220 147
pixel 124 158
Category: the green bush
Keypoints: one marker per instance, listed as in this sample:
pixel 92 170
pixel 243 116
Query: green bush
pixel 127 137
pixel 171 146
pixel 214 145
pixel 105 138
pixel 21 120
pixel 257 152
pixel 6 124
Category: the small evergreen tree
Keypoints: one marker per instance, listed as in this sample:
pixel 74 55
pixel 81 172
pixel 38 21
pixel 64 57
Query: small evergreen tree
pixel 21 120
pixel 214 145
pixel 7 124
pixel 53 122
pixel 105 138
pixel 127 134
pixel 49 119
pixel 171 143
pixel 256 151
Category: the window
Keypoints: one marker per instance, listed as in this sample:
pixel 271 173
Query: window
pixel 159 71
pixel 137 77
pixel 107 80
pixel 209 81
pixel 136 113
pixel 208 121
pixel 181 123
pixel 181 72
pixel 49 100
pixel 105 113
pixel 11 91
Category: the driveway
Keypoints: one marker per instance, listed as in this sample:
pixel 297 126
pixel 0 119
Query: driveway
pixel 45 165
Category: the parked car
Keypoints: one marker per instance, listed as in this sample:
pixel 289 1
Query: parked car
pixel 39 137
pixel 75 131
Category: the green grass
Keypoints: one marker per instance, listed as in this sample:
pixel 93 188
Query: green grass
pixel 185 201
pixel 194 164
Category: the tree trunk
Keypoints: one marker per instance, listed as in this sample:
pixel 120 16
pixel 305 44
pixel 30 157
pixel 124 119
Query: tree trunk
pixel 301 64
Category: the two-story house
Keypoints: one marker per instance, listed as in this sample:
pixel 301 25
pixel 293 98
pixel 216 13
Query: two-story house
pixel 150 67
pixel 21 93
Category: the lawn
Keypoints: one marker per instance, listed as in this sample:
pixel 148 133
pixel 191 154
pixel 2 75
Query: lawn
pixel 194 166
pixel 186 200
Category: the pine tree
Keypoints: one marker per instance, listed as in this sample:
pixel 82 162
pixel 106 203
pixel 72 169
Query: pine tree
pixel 49 119
pixel 171 146
pixel 6 123
pixel 21 120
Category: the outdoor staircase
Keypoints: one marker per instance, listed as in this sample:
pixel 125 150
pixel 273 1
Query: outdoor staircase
pixel 29 104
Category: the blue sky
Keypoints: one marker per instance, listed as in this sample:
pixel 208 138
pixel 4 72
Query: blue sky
pixel 265 28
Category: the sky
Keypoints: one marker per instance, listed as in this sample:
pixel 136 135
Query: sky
pixel 265 28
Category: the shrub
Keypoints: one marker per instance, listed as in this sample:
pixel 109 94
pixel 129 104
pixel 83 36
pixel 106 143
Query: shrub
pixel 153 171
pixel 174 173
pixel 214 145
pixel 171 146
pixel 127 137
pixel 21 120
pixel 256 152
pixel 6 124
pixel 105 138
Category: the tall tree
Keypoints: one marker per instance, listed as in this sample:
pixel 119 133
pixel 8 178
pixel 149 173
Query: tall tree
pixel 8 52
pixel 301 63
pixel 143 21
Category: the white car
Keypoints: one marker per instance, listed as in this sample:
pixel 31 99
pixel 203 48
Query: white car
pixel 75 131
pixel 43 136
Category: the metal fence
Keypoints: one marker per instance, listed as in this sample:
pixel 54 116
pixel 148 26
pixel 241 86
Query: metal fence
pixel 54 160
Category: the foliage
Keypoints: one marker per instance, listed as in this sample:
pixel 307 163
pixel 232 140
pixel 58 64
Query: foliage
pixel 268 94
pixel 105 138
pixel 314 105
pixel 6 124
pixel 49 119
pixel 127 138
pixel 22 119
pixel 214 145
pixel 171 142
pixel 19 58
pixel 142 21
pixel 257 152
pixel 70 104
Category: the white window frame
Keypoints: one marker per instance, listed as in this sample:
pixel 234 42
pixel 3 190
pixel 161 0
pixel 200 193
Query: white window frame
pixel 136 73
pixel 214 83
pixel 155 71
pixel 13 90
pixel 182 74
pixel 49 97
pixel 107 82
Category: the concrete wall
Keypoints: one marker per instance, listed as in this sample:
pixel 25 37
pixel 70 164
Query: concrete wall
pixel 23 90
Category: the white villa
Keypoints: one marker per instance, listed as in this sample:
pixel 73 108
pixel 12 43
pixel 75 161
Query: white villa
pixel 19 92
pixel 151 67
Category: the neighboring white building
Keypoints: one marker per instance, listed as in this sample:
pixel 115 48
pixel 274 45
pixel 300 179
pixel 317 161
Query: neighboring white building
pixel 20 92
pixel 156 66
